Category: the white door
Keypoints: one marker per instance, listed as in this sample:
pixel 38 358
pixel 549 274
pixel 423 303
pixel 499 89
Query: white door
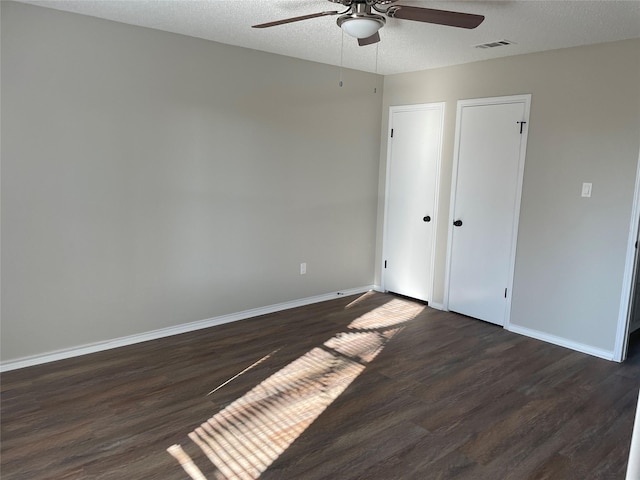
pixel 488 169
pixel 413 169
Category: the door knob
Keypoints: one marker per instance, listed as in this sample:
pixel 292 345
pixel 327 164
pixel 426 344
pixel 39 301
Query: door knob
pixel 426 219
pixel 457 223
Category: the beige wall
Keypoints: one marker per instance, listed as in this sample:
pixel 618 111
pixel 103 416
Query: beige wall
pixel 151 179
pixel 584 127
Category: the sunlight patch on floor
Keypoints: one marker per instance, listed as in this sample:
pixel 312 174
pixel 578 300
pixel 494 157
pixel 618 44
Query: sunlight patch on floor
pixel 247 436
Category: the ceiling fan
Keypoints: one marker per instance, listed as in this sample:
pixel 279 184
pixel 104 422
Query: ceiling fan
pixel 362 18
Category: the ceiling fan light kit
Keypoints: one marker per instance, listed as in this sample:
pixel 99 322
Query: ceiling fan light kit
pixel 361 26
pixel 360 21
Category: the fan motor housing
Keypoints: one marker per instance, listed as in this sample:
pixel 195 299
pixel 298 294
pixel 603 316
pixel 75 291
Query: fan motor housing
pixel 369 16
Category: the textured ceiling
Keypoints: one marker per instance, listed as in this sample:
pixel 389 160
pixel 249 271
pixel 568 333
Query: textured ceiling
pixel 534 25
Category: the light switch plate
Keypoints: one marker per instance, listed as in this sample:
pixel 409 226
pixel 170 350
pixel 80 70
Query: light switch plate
pixel 586 189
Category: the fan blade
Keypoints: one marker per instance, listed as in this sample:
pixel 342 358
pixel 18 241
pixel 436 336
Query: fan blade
pixel 375 38
pixel 295 19
pixel 441 17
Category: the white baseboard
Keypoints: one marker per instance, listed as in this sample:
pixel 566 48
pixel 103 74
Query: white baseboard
pixel 563 342
pixel 178 329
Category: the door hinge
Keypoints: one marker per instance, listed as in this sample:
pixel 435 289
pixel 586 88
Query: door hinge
pixel 505 293
pixel 392 133
pixel 385 264
pixel 521 126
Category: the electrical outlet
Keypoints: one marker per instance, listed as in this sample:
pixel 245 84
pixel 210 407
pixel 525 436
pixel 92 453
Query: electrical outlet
pixel 303 268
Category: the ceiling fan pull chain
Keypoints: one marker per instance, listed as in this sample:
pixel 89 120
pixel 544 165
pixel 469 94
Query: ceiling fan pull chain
pixel 341 57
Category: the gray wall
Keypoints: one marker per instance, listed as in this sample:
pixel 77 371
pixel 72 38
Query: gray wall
pixel 584 127
pixel 151 179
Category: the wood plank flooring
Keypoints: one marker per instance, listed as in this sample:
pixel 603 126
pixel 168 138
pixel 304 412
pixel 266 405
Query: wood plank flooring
pixel 369 387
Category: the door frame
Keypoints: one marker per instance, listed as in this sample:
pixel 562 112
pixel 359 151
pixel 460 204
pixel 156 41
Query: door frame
pixel 630 271
pixel 526 99
pixel 410 108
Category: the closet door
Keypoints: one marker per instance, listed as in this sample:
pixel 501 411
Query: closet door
pixel 488 169
pixel 413 169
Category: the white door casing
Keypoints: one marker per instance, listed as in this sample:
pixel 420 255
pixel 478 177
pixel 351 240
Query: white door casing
pixel 413 171
pixel 623 330
pixel 488 170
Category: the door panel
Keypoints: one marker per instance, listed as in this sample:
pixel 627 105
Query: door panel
pixel 414 160
pixel 486 195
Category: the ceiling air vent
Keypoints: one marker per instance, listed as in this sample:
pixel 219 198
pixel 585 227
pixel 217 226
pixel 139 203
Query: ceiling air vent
pixel 497 43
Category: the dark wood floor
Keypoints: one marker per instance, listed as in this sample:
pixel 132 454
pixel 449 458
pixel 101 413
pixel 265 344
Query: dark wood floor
pixel 383 388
